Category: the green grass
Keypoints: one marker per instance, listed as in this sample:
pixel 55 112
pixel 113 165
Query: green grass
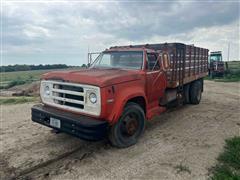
pixel 229 79
pixel 234 65
pixel 10 79
pixel 9 76
pixel 228 166
pixel 17 100
pixel 232 74
pixel 182 168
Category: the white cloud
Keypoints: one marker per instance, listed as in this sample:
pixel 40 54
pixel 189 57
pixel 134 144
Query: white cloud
pixel 214 38
pixel 36 31
pixel 62 32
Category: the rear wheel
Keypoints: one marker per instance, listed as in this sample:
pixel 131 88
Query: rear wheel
pixel 129 126
pixel 186 94
pixel 196 92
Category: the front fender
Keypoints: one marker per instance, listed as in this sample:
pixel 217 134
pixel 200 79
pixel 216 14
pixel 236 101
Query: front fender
pixel 121 100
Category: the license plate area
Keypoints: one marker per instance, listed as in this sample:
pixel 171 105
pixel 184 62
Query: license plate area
pixel 55 122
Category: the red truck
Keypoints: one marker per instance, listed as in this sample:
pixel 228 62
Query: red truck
pixel 124 87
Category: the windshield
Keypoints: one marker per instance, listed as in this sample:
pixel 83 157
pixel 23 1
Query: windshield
pixel 216 57
pixel 119 59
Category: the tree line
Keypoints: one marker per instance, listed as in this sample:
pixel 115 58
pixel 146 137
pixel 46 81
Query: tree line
pixel 24 67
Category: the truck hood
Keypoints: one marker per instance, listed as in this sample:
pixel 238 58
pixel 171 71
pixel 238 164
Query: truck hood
pixel 97 77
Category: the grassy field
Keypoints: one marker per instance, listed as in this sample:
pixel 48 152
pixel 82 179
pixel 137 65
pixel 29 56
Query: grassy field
pixel 10 79
pixel 232 74
pixel 234 65
pixel 17 100
pixel 228 166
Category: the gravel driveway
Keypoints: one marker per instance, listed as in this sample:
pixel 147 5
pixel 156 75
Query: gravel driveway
pixel 183 143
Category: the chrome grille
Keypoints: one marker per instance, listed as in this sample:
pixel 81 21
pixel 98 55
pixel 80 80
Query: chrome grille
pixel 68 95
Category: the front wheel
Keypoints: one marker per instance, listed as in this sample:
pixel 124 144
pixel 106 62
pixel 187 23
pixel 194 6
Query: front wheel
pixel 129 127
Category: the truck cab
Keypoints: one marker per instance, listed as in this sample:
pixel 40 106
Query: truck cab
pixel 113 98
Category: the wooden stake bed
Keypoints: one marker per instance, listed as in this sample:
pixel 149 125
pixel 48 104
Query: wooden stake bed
pixel 188 63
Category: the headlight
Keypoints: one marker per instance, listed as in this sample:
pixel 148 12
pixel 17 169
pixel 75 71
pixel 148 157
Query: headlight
pixel 92 98
pixel 47 90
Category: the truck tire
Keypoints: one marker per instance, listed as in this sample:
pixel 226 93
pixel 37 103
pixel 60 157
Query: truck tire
pixel 186 89
pixel 129 127
pixel 196 92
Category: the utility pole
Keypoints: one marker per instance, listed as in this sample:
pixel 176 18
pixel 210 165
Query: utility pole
pixel 228 50
pixel 88 57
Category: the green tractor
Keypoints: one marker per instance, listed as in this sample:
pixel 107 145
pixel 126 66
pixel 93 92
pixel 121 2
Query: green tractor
pixel 216 65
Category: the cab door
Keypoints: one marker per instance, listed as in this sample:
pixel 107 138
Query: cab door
pixel 155 80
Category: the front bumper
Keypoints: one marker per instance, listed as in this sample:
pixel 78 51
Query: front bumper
pixel 84 127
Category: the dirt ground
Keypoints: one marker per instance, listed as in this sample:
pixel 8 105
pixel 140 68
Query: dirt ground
pixel 181 144
pixel 31 89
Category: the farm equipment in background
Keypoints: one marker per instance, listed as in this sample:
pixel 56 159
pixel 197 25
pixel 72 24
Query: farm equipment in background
pixel 216 65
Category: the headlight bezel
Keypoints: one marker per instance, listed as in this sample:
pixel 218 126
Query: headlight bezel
pixel 92 98
pixel 88 102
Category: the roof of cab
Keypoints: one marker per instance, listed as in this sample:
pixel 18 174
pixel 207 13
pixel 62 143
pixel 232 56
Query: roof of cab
pixel 116 48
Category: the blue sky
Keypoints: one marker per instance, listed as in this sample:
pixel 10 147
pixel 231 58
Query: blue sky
pixel 48 32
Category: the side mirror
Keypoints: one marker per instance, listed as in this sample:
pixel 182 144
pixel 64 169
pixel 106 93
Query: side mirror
pixel 164 61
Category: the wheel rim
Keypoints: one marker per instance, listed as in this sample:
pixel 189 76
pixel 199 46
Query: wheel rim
pixel 130 125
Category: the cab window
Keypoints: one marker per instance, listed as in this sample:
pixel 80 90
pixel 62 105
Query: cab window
pixel 152 62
